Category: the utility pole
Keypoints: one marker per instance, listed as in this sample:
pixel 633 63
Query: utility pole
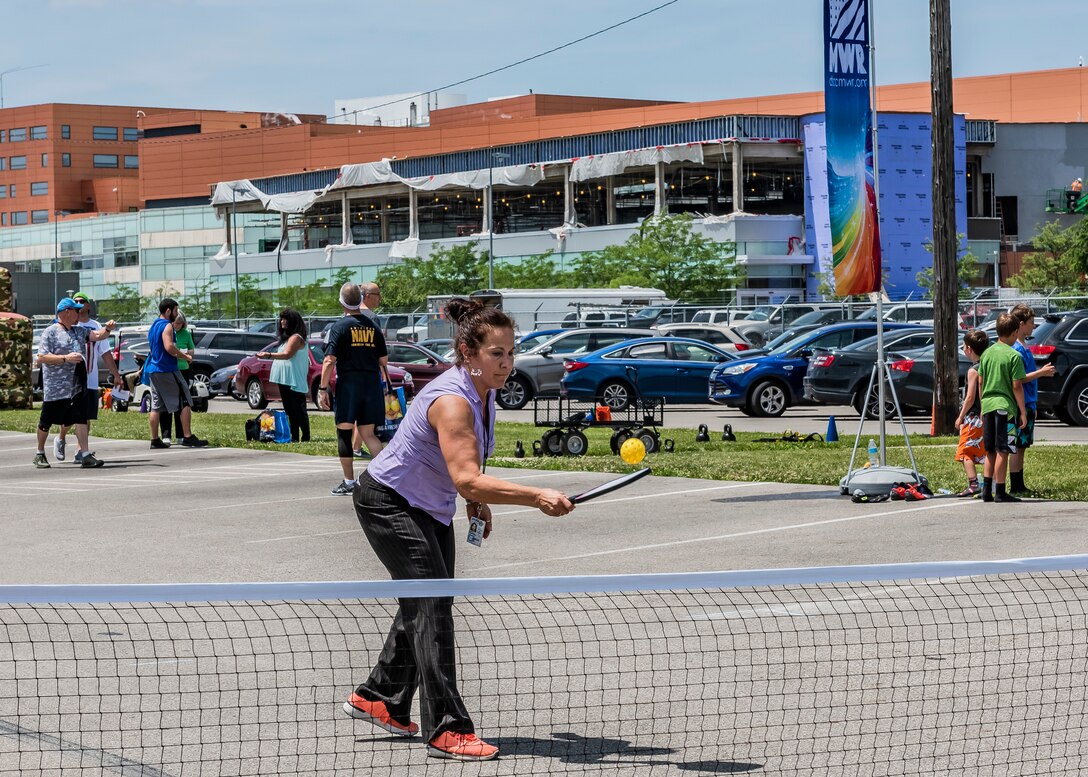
pixel 945 280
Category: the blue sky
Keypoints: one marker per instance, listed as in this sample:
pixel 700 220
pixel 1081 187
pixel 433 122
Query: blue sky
pixel 301 55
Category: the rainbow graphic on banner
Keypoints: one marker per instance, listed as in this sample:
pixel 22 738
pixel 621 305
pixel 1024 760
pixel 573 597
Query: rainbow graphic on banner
pixel 851 184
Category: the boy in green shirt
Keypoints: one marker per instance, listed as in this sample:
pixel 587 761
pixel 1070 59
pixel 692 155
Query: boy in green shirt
pixel 1001 371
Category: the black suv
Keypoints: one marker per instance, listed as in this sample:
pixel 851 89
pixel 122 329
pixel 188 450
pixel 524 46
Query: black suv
pixel 1062 340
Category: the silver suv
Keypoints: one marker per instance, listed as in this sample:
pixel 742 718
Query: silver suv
pixel 539 370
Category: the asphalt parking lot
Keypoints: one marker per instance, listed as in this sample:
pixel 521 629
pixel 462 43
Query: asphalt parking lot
pixel 225 515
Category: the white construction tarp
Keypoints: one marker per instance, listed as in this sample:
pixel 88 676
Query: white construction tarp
pixel 603 165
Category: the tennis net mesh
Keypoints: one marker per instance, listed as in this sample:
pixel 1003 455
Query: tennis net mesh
pixel 943 668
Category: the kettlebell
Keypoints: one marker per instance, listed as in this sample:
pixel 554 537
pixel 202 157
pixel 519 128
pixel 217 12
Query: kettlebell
pixel 519 450
pixel 703 435
pixel 669 445
pixel 727 434
pixel 538 449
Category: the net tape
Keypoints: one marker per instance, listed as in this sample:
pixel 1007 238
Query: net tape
pixel 972 667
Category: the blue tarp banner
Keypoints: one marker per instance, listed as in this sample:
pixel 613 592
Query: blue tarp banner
pixel 852 204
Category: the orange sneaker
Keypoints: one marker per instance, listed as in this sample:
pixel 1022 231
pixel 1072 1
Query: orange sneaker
pixel 375 712
pixel 461 747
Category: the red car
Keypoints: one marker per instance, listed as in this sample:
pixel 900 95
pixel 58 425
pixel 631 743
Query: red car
pixel 252 377
pixel 424 364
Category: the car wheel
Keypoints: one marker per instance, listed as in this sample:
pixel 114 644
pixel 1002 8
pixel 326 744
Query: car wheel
pixel 515 393
pixel 1076 403
pixel 200 405
pixel 200 374
pixel 255 395
pixel 552 442
pixel 575 444
pixel 872 411
pixel 1061 414
pixel 616 394
pixel 769 399
pixel 617 441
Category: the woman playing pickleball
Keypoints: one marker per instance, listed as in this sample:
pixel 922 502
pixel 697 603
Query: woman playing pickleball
pixel 406 501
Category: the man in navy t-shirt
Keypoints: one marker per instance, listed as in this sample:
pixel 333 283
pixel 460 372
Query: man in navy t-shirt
pixel 356 350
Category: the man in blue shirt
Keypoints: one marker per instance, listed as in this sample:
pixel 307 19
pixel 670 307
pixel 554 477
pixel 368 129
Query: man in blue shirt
pixel 168 390
pixel 1025 436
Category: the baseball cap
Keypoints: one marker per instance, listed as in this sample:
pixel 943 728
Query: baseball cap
pixel 68 304
pixel 81 296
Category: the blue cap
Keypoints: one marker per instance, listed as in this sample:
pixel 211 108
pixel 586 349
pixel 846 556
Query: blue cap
pixel 68 304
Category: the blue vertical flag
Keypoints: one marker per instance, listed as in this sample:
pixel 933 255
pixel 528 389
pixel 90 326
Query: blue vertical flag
pixel 851 184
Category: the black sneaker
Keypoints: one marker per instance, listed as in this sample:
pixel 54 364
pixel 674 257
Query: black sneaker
pixel 90 462
pixel 192 441
pixel 1007 498
pixel 158 444
pixel 343 489
pixel 40 461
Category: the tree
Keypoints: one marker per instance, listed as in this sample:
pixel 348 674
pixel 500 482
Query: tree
pixel 151 303
pixel 253 302
pixel 667 254
pixel 199 303
pixel 533 272
pixel 966 268
pixel 458 269
pixel 122 304
pixel 1060 261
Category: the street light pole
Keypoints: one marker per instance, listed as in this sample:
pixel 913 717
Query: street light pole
pixel 491 216
pixel 234 248
pixel 997 274
pixel 56 247
pixel 12 70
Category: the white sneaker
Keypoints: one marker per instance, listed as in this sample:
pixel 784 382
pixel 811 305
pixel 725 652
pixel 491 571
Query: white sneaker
pixel 167 441
pixel 58 448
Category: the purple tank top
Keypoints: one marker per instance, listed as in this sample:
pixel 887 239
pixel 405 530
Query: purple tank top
pixel 412 464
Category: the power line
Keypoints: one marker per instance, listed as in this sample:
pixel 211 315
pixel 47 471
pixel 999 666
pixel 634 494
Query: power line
pixel 512 64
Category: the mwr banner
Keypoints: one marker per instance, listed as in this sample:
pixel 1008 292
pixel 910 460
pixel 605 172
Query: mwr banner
pixel 855 230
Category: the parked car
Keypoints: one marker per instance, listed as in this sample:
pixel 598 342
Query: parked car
pixel 724 316
pixel 533 339
pixel 424 364
pixel 1062 340
pixel 593 317
pixel 438 344
pixel 216 348
pixel 719 335
pixel 912 377
pixel 841 376
pixel 539 370
pixel 676 368
pixel 222 383
pixel 412 332
pixel 813 319
pixel 767 385
pixel 253 375
pixel 656 315
pixel 765 319
pixel 905 312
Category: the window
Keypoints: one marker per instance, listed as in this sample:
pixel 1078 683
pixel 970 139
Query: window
pixel 650 351
pixel 132 161
pixel 229 342
pixel 65 160
pixel 131 134
pixel 3 192
pixel 39 188
pixel 13 190
pixel 39 133
pixel 105 160
pixel 4 223
pixel 17 135
pixel 39 216
pixel 126 259
pixel 694 353
pixel 45 160
pixel 18 217
pixel 3 136
pixel 66 131
pixel 1079 333
pixel 104 133
pixel 3 163
pixel 18 163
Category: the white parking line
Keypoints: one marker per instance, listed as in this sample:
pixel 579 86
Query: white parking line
pixel 718 537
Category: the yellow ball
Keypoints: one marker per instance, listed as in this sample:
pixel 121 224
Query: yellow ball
pixel 633 450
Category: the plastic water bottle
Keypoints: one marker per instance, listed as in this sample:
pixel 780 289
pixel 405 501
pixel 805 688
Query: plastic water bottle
pixel 874 453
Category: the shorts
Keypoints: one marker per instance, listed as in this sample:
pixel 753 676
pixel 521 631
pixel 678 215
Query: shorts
pixel 970 447
pixel 999 432
pixel 168 392
pixel 358 400
pixel 1025 437
pixel 63 412
pixel 93 400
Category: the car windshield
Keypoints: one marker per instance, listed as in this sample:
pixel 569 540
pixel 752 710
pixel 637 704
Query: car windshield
pixel 789 345
pixel 532 341
pixel 813 317
pixel 868 315
pixel 786 336
pixel 762 313
pixel 647 313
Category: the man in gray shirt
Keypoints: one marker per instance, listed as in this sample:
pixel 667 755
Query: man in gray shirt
pixel 62 356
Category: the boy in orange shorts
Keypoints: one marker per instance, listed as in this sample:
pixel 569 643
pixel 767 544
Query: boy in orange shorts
pixel 970 449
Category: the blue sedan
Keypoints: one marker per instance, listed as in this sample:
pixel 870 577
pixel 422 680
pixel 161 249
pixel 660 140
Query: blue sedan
pixel 764 386
pixel 676 368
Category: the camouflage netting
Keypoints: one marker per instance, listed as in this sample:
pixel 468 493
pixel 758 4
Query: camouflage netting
pixel 16 339
pixel 7 302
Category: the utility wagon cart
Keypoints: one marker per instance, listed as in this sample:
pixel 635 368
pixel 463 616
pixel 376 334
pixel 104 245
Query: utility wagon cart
pixel 568 418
